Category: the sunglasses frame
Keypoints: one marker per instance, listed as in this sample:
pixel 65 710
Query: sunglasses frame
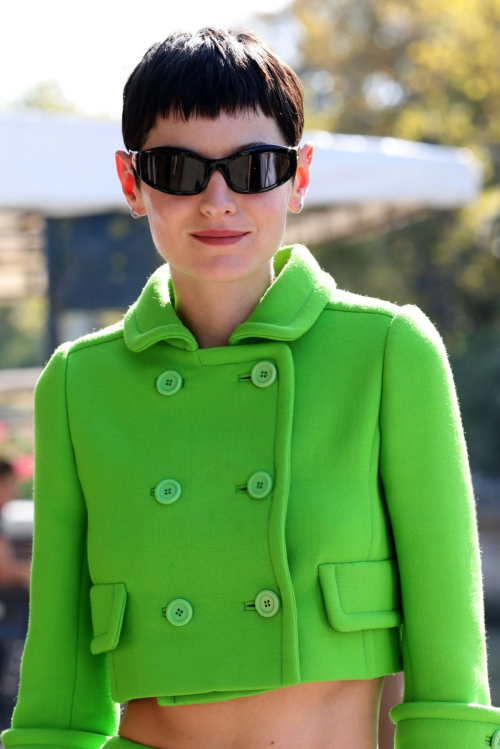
pixel 222 164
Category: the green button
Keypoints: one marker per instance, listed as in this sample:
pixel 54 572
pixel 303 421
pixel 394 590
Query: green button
pixel 267 603
pixel 259 484
pixel 169 382
pixel 179 612
pixel 263 374
pixel 168 491
pixel 495 740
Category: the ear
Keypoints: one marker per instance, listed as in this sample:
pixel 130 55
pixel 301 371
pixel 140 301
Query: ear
pixel 124 168
pixel 302 177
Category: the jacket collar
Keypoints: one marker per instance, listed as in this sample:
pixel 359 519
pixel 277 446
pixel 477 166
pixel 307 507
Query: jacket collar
pixel 290 305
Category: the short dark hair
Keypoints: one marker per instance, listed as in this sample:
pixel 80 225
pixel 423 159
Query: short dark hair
pixel 206 72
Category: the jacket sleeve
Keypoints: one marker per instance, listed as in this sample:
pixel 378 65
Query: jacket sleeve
pixel 427 484
pixel 64 695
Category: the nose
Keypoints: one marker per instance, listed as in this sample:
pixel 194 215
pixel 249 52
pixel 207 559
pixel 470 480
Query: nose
pixel 217 197
pixel 218 181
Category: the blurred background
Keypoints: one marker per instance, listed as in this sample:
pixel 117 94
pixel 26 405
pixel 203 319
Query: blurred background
pixel 402 102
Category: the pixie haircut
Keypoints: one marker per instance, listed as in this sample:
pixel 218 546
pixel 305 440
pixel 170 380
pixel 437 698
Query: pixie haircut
pixel 205 72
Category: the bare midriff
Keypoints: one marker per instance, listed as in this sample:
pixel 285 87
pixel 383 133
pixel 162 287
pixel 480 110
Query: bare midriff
pixel 314 715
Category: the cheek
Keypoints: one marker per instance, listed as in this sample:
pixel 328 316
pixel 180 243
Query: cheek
pixel 272 204
pixel 165 210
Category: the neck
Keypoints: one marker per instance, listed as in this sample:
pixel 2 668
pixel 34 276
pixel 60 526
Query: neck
pixel 212 310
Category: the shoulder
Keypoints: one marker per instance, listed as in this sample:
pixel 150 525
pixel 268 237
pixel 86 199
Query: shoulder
pixel 95 338
pixel 403 321
pixel 413 333
pixel 408 336
pixel 415 356
pixel 56 366
pixel 343 301
pixel 99 337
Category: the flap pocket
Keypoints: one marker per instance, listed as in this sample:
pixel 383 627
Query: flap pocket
pixel 107 601
pixel 361 595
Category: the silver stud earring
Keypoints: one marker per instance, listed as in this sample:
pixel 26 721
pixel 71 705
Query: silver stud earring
pixel 134 214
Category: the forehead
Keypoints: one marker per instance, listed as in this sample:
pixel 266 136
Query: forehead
pixel 215 138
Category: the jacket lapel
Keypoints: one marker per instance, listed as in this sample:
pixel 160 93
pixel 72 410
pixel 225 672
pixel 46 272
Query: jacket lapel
pixel 291 304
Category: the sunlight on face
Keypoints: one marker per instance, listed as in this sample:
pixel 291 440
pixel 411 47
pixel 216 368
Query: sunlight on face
pixel 173 218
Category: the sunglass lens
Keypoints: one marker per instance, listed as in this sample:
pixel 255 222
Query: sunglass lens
pixel 173 172
pixel 259 170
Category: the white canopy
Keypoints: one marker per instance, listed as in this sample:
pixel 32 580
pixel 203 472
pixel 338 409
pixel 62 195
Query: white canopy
pixel 61 165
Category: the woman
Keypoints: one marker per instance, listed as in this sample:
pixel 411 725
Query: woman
pixel 252 494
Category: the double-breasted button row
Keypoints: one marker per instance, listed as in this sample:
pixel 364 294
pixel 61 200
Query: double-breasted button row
pixel 259 485
pixel 179 611
pixel 170 381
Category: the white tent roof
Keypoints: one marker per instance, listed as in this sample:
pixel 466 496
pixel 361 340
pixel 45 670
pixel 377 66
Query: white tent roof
pixel 62 165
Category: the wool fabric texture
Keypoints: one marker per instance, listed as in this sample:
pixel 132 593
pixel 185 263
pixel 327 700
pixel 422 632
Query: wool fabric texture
pixel 360 556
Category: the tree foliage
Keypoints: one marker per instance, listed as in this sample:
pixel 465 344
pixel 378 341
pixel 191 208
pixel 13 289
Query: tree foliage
pixel 429 71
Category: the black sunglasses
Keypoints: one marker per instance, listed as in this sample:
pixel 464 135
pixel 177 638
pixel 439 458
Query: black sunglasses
pixel 178 171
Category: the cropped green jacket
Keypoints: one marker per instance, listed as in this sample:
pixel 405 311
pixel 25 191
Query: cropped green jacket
pixel 211 523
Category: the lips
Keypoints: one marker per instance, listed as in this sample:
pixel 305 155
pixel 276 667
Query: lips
pixel 219 233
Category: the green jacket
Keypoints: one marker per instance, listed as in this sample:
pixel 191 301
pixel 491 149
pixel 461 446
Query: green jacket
pixel 211 523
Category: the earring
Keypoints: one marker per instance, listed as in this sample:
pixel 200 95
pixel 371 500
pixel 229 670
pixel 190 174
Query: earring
pixel 299 208
pixel 134 214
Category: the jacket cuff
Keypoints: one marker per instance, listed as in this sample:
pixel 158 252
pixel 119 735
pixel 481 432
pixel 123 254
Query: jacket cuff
pixel 434 725
pixel 33 738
